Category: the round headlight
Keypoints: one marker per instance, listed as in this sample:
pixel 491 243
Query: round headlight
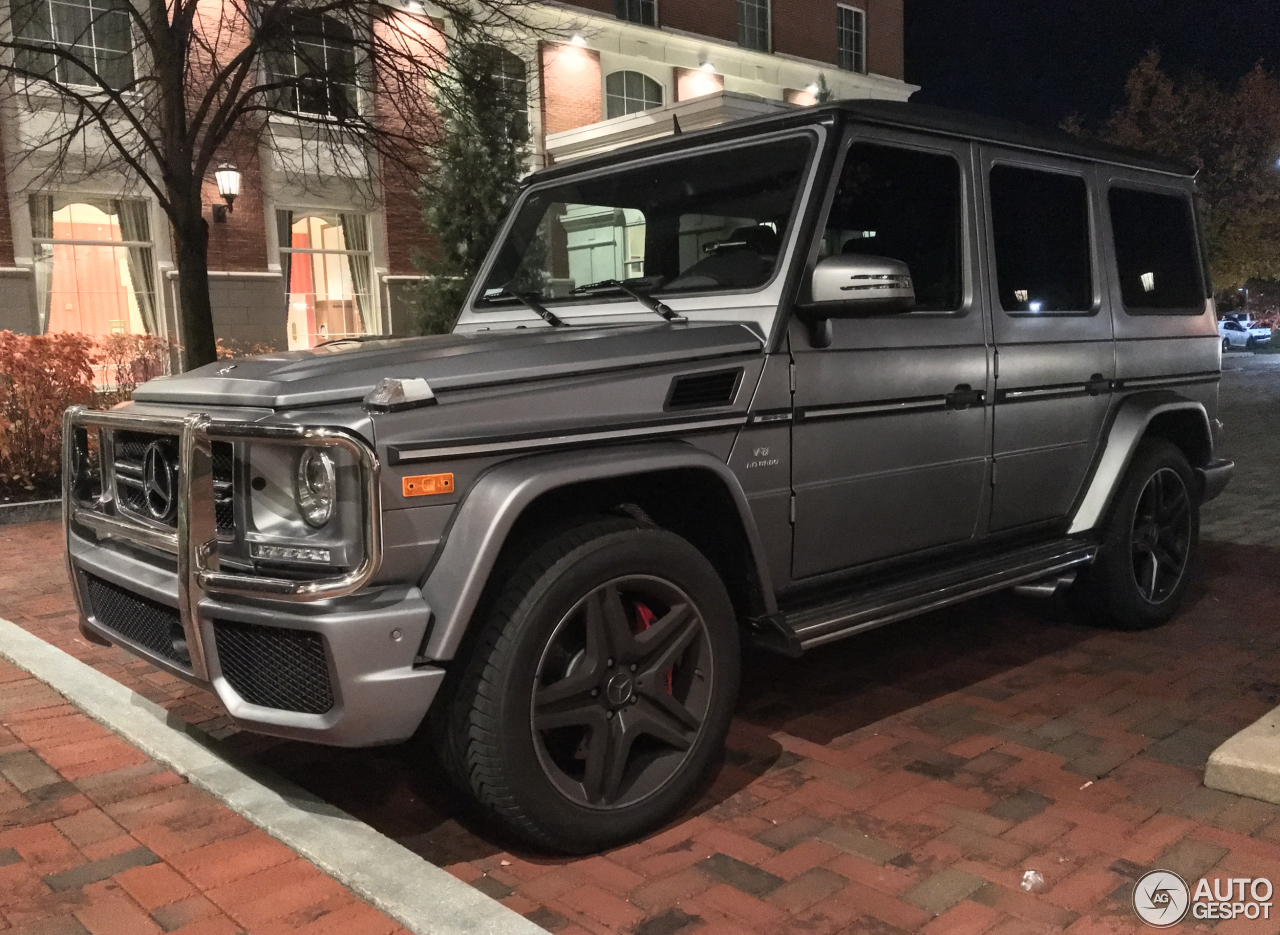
pixel 316 486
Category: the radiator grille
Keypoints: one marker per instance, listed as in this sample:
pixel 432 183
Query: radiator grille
pixel 138 619
pixel 130 464
pixel 275 667
pixel 703 390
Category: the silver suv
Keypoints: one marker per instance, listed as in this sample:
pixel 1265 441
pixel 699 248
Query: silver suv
pixel 775 383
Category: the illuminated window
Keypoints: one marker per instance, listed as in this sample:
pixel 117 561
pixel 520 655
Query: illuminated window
pixel 96 32
pixel 644 12
pixel 327 272
pixel 851 39
pixel 94 266
pixel 629 92
pixel 753 24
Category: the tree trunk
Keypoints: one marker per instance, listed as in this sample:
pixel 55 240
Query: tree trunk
pixel 199 346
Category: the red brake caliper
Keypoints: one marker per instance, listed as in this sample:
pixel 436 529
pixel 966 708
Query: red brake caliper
pixel 646 620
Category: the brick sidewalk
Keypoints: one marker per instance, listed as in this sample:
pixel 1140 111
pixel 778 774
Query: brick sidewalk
pixel 95 837
pixel 899 782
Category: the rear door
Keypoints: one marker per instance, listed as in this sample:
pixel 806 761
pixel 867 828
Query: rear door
pixel 1051 317
pixel 890 440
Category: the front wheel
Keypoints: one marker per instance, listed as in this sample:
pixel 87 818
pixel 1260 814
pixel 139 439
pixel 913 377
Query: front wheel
pixel 1226 345
pixel 599 692
pixel 1149 545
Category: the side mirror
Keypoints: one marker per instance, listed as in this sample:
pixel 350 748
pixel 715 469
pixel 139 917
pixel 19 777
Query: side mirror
pixel 852 286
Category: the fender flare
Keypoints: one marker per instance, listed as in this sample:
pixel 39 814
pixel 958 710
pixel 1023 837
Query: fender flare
pixel 1127 429
pixel 457 579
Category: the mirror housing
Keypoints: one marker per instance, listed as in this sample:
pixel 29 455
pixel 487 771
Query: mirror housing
pixel 853 286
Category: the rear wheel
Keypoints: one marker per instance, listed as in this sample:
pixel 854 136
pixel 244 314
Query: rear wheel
pixel 599 692
pixel 1150 542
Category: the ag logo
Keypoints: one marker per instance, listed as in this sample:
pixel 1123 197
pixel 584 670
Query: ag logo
pixel 1160 898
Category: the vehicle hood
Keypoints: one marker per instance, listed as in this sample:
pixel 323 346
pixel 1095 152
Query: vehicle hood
pixel 345 371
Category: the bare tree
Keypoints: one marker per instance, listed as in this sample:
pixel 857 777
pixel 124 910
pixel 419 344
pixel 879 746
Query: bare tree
pixel 158 92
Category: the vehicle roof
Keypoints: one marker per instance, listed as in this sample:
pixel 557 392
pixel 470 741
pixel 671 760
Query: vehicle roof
pixel 920 117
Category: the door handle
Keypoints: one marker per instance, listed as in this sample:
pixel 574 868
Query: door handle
pixel 964 396
pixel 1096 385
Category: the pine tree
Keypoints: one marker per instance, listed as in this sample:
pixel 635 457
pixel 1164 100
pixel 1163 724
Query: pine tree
pixel 475 171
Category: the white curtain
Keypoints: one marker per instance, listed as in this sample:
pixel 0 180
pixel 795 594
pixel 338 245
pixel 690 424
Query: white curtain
pixel 135 225
pixel 355 234
pixel 42 226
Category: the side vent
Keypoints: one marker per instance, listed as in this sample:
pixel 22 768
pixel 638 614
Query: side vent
pixel 703 390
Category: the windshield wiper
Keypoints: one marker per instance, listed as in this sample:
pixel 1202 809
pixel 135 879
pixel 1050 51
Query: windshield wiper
pixel 533 305
pixel 624 286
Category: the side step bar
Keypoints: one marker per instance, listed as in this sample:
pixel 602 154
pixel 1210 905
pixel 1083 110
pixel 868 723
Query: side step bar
pixel 794 631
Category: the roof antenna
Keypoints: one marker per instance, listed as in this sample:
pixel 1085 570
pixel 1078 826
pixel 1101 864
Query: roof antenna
pixel 675 125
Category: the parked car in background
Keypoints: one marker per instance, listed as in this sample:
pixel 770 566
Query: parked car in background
pixel 1242 332
pixel 778 382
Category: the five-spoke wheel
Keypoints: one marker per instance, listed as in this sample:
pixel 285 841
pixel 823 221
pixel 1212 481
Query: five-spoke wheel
pixel 598 693
pixel 1149 542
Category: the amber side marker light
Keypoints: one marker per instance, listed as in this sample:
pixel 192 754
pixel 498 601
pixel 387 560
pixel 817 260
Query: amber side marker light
pixel 424 485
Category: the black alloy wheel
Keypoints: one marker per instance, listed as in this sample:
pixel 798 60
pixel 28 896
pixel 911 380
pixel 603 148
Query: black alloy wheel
pixel 1161 535
pixel 1149 542
pixel 621 692
pixel 593 698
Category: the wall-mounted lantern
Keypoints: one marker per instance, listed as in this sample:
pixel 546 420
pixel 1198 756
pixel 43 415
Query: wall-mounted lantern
pixel 228 178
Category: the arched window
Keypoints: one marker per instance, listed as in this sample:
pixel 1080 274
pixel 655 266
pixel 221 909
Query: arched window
pixel 629 92
pixel 317 65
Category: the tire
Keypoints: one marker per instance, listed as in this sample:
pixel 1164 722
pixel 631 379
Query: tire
pixel 1150 543
pixel 566 723
pixel 1226 345
pixel 1250 343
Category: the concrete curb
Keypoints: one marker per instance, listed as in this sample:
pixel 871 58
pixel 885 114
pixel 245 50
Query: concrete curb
pixel 417 894
pixel 30 511
pixel 1249 762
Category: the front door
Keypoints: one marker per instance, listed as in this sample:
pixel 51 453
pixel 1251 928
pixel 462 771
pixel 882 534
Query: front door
pixel 1052 323
pixel 891 437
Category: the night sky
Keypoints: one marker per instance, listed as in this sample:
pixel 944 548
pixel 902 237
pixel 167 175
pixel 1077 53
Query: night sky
pixel 1039 60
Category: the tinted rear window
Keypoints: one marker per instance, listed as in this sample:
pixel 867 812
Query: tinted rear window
pixel 1157 256
pixel 1040 223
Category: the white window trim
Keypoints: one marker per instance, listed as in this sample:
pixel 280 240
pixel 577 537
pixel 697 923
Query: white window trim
pixel 768 49
pixel 668 93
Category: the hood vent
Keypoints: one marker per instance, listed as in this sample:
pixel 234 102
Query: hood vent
pixel 703 390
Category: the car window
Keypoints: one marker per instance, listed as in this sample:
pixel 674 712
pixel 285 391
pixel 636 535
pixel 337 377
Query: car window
pixel 1040 225
pixel 1157 252
pixel 709 222
pixel 906 205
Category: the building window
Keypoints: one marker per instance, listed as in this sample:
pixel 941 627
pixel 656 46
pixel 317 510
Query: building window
pixel 94 267
pixel 644 12
pixel 629 92
pixel 510 80
pixel 317 68
pixel 325 259
pixel 851 39
pixel 753 24
pixel 95 32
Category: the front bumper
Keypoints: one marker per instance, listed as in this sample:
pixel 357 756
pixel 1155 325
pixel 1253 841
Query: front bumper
pixel 360 642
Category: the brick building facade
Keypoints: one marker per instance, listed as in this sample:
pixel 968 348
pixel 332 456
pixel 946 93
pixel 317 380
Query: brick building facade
pixel 292 265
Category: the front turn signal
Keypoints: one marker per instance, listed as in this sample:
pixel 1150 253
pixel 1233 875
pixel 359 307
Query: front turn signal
pixel 424 485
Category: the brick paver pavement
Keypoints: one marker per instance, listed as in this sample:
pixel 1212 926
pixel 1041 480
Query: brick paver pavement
pixel 903 781
pixel 97 838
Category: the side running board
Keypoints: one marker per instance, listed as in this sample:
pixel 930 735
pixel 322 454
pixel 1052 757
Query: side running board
pixel 795 630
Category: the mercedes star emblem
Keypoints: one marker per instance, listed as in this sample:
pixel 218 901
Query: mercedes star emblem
pixel 159 482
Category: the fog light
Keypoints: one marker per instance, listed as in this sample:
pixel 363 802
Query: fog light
pixel 289 553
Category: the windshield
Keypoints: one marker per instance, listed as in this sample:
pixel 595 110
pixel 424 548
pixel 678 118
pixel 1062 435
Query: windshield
pixel 709 222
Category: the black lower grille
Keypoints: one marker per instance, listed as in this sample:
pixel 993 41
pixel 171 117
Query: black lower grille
pixel 275 667
pixel 138 619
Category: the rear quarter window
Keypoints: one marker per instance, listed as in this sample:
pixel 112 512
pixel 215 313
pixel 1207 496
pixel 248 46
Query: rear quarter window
pixel 1157 252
